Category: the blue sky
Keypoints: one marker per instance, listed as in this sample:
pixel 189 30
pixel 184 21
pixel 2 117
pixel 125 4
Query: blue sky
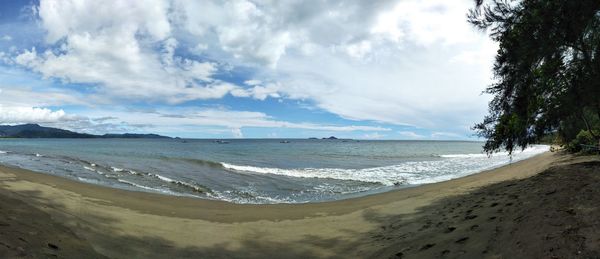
pixel 391 69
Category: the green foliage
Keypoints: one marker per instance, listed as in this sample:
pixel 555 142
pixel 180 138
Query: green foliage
pixel 551 139
pixel 547 70
pixel 583 138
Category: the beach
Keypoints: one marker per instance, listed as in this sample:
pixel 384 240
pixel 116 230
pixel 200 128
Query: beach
pixel 44 215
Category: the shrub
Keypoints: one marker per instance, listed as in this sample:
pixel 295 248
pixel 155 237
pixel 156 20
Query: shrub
pixel 584 137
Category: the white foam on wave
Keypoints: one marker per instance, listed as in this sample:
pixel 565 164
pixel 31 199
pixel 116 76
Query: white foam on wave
pixel 247 196
pixel 532 149
pixel 134 172
pixel 413 172
pixel 96 171
pixel 3 152
pixel 145 187
pixel 186 184
pixel 163 178
pixel 464 156
pixel 88 180
pixel 116 169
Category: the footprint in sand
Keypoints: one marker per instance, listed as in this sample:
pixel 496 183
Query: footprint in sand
pixel 449 229
pixel 427 246
pixel 469 217
pixel 461 240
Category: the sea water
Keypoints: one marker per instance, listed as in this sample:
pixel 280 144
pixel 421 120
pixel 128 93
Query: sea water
pixel 255 170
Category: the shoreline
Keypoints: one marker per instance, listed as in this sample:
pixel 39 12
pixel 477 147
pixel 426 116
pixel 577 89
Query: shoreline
pixel 354 203
pixel 210 175
pixel 105 216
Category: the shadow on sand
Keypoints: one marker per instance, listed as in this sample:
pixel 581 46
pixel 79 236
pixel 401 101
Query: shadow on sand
pixel 551 215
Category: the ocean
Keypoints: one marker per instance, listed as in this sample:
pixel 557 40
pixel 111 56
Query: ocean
pixel 257 171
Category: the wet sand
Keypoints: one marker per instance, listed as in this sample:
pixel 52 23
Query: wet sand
pixel 57 216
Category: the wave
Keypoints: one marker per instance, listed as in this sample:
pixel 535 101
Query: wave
pixel 193 187
pixel 88 180
pixel 121 170
pixel 464 155
pixel 89 168
pixel 406 173
pixel 193 161
pixel 248 196
pixel 3 152
pixel 533 149
pixel 389 175
pixel 145 187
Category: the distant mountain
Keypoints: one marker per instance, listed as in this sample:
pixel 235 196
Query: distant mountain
pixel 37 131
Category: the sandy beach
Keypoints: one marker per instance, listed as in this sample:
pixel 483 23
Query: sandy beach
pixel 473 216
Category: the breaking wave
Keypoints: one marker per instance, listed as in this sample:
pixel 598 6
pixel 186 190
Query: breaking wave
pixel 406 173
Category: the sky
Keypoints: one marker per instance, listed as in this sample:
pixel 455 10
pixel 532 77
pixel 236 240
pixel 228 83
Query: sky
pixel 387 69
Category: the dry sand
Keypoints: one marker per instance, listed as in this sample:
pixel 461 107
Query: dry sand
pixel 45 216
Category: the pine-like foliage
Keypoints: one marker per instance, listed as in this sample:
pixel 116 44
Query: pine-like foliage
pixel 546 71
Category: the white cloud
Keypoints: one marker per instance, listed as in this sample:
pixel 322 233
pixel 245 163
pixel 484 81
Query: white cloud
pixel 232 122
pixel 237 133
pixel 23 96
pixel 410 135
pixel 13 115
pixel 374 135
pixel 425 22
pixel 253 82
pixel 406 62
pixel 446 135
pixel 258 91
pixel 124 47
pixel 402 62
pixel 18 115
pixel 230 119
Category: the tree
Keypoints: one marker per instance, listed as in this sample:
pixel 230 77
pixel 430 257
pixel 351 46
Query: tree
pixel 546 71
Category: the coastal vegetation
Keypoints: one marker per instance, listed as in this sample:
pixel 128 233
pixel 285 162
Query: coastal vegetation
pixel 546 72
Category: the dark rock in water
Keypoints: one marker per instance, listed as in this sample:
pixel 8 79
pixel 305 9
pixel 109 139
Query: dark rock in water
pixel 401 182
